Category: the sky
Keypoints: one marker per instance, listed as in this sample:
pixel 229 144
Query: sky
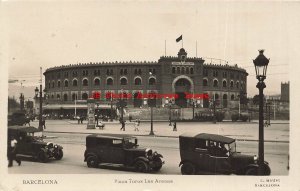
pixel 47 34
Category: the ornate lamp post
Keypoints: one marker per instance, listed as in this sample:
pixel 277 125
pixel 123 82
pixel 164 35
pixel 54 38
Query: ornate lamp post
pixel 151 104
pixel 41 105
pixel 168 102
pixel 261 64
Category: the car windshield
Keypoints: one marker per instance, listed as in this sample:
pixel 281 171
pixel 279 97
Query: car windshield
pixel 130 142
pixel 35 136
pixel 232 147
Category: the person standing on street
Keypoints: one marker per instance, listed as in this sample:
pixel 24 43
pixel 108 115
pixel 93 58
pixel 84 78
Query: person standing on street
pixel 136 125
pixel 12 151
pixel 44 121
pixel 123 125
pixel 174 126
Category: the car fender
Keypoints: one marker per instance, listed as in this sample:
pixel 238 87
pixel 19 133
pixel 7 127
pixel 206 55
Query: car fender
pixel 141 158
pixel 159 155
pixel 88 155
pixel 181 163
pixel 250 166
pixel 45 150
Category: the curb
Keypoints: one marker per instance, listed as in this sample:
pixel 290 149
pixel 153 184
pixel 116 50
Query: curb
pixel 166 136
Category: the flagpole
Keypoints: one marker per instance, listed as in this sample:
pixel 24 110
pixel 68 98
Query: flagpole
pixel 196 49
pixel 182 43
pixel 165 48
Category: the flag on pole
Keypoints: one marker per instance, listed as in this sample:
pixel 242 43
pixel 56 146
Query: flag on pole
pixel 179 38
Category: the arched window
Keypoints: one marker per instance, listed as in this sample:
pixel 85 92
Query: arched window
pixel 232 97
pixel 58 84
pixel 58 96
pixel 97 82
pixel 178 70
pixel 192 71
pixel 53 84
pixel 84 96
pixel 75 82
pixel 182 70
pixel 137 81
pixel 173 70
pixel 152 81
pixel 187 70
pixel 225 100
pixel 85 82
pixel 237 85
pixel 231 84
pixel 109 81
pixel 216 83
pixel 52 96
pixel 74 96
pixel 224 84
pixel 216 96
pixel 123 81
pixel 66 83
pixel 205 82
pixel 65 97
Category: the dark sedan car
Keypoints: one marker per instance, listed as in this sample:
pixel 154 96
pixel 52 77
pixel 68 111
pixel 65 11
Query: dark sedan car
pixel 215 154
pixel 122 150
pixel 31 144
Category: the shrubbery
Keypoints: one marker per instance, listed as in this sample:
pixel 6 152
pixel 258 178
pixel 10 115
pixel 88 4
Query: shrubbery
pixel 220 116
pixel 242 117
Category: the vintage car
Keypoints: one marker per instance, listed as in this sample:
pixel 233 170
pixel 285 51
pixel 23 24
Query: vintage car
pixel 120 149
pixel 31 144
pixel 16 118
pixel 215 154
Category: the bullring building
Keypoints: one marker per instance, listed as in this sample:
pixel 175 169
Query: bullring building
pixel 170 75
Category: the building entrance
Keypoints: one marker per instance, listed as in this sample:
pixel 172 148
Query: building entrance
pixel 182 86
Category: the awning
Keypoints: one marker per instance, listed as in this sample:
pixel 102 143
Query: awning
pixel 72 106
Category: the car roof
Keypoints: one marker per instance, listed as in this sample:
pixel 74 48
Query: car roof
pixel 110 136
pixel 24 129
pixel 207 136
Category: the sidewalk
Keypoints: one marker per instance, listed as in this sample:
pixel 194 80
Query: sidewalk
pixel 278 132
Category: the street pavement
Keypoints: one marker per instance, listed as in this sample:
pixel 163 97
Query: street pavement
pixel 278 131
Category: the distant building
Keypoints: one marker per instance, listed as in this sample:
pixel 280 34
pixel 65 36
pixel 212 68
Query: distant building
pixel 285 92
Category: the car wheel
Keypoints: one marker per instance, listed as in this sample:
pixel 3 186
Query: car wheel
pixel 59 154
pixel 141 166
pixel 188 168
pixel 159 163
pixel 267 170
pixel 253 171
pixel 42 156
pixel 92 161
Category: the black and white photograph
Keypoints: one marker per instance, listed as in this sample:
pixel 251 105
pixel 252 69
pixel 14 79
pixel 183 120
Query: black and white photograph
pixel 149 95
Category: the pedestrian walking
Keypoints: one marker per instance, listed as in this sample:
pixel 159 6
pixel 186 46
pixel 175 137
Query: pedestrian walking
pixel 44 121
pixel 123 125
pixel 97 120
pixel 136 125
pixel 81 119
pixel 174 126
pixel 12 152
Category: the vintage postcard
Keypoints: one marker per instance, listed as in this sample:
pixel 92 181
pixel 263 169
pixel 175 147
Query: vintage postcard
pixel 149 95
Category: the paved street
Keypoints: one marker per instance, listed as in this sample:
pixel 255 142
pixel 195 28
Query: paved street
pixel 72 137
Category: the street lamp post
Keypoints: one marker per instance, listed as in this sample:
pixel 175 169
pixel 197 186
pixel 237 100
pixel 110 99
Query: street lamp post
pixel 111 107
pixel 193 109
pixel 151 104
pixel 261 64
pixel 41 105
